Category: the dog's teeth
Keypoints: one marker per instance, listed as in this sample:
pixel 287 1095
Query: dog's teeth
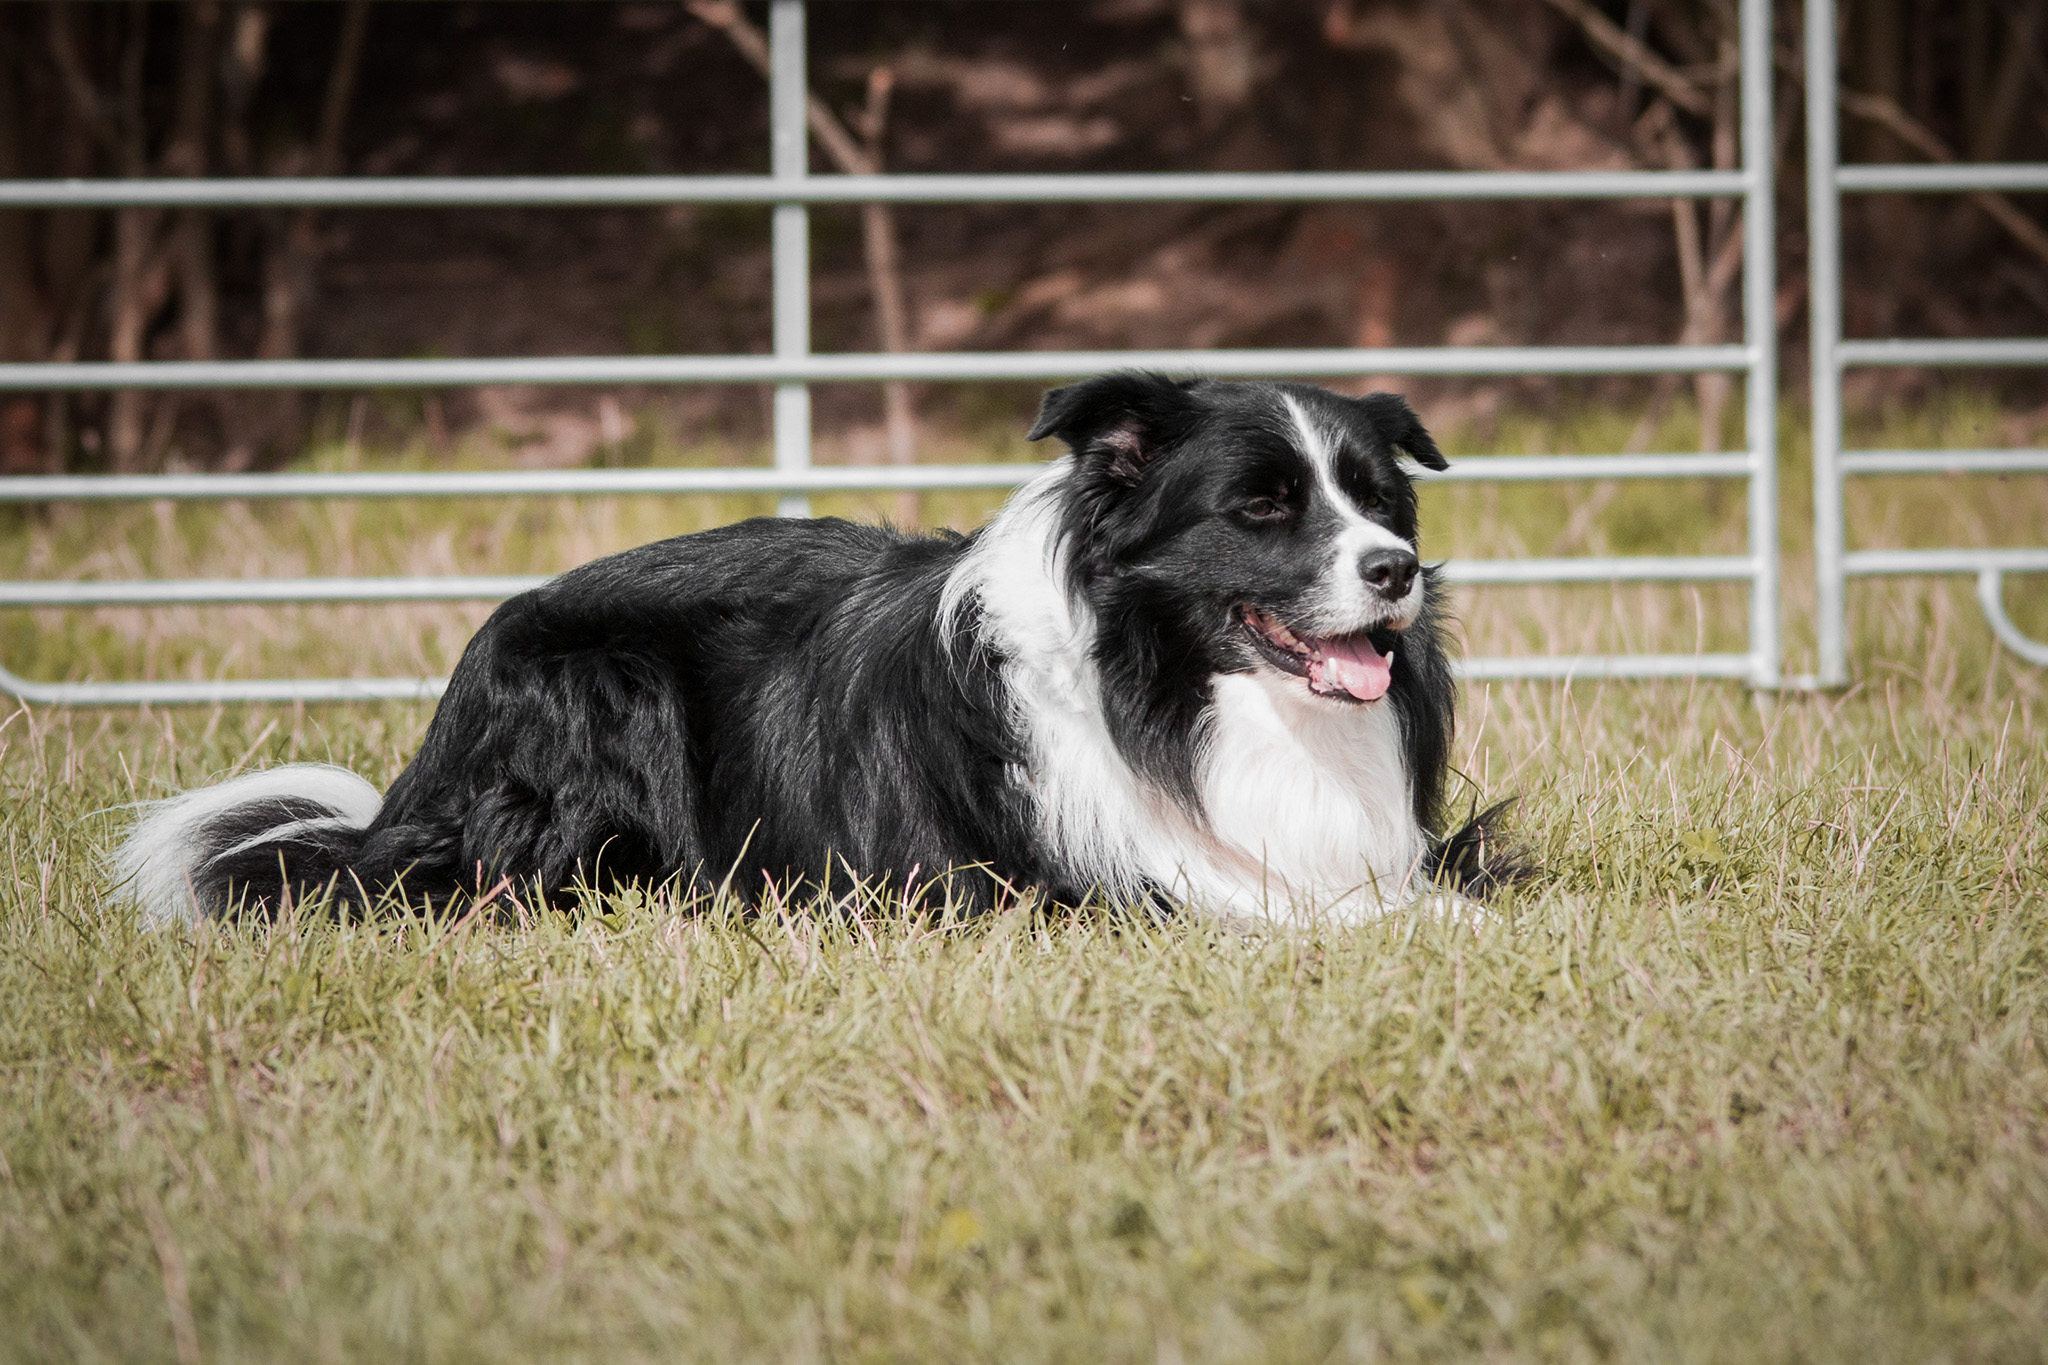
pixel 1278 634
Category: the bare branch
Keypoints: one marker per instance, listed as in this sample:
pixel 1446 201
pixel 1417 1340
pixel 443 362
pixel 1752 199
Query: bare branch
pixel 78 84
pixel 832 135
pixel 2005 95
pixel 1727 261
pixel 139 277
pixel 289 264
pixel 883 259
pixel 1652 69
pixel 1707 266
pixel 341 88
pixel 1885 111
pixel 878 221
pixel 198 294
pixel 885 274
pixel 292 255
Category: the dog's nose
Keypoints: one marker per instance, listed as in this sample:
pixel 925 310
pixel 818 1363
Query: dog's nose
pixel 1390 573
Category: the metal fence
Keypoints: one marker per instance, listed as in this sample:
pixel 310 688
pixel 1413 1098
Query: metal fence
pixel 793 367
pixel 1834 563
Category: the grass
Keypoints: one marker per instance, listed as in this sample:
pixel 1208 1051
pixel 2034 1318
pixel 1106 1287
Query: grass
pixel 1754 1070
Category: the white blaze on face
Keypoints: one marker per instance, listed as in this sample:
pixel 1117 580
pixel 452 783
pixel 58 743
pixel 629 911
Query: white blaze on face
pixel 1344 601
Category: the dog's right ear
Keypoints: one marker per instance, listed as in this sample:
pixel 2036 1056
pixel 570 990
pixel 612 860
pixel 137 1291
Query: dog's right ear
pixel 1400 428
pixel 1119 423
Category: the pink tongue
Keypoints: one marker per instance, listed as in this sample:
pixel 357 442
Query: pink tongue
pixel 1352 666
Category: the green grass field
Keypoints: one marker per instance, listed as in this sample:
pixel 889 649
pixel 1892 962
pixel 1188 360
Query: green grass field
pixel 1753 1071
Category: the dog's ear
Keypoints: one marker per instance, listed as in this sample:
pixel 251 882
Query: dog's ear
pixel 1119 423
pixel 1400 428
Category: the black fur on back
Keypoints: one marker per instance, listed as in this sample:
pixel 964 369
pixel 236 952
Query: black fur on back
pixel 769 701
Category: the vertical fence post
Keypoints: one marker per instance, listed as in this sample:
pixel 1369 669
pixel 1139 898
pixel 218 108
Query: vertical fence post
pixel 788 90
pixel 1760 335
pixel 1824 321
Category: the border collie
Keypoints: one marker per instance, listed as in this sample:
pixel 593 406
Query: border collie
pixel 1197 661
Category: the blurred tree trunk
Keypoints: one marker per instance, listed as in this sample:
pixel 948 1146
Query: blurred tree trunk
pixel 190 154
pixel 288 284
pixel 244 418
pixel 1707 309
pixel 191 243
pixel 1223 57
pixel 139 279
pixel 241 68
pixel 294 247
pixel 2006 97
pixel 1924 70
pixel 1973 65
pixel 1878 66
pixel 73 269
pixel 24 314
pixel 885 277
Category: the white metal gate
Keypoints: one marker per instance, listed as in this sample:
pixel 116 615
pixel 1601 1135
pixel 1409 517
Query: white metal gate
pixel 792 367
pixel 1834 562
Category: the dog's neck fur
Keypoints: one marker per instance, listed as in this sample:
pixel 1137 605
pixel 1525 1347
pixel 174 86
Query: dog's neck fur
pixel 1305 805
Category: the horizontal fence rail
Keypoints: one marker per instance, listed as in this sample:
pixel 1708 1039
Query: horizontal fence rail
pixel 143 592
pixel 789 191
pixel 728 480
pixel 1912 351
pixel 90 592
pixel 2022 560
pixel 864 367
pixel 1942 461
pixel 1834 563
pixel 1942 179
pixel 593 191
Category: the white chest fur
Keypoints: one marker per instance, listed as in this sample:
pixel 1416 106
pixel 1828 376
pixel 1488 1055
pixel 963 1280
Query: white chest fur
pixel 1305 805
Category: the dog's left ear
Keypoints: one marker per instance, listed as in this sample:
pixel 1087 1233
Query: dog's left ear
pixel 1400 428
pixel 1119 422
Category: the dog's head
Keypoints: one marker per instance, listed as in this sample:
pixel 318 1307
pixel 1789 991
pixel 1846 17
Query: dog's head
pixel 1246 526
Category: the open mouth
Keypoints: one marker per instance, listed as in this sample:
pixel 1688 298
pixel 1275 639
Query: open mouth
pixel 1348 667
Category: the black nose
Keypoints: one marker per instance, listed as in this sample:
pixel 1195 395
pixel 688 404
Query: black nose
pixel 1390 573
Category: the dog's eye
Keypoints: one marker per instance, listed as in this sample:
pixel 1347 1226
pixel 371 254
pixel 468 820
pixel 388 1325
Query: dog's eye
pixel 1371 501
pixel 1269 507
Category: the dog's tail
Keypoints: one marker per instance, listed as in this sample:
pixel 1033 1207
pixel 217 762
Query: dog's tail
pixel 1477 858
pixel 293 829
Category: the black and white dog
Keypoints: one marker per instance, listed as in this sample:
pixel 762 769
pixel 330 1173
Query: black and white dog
pixel 1196 662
